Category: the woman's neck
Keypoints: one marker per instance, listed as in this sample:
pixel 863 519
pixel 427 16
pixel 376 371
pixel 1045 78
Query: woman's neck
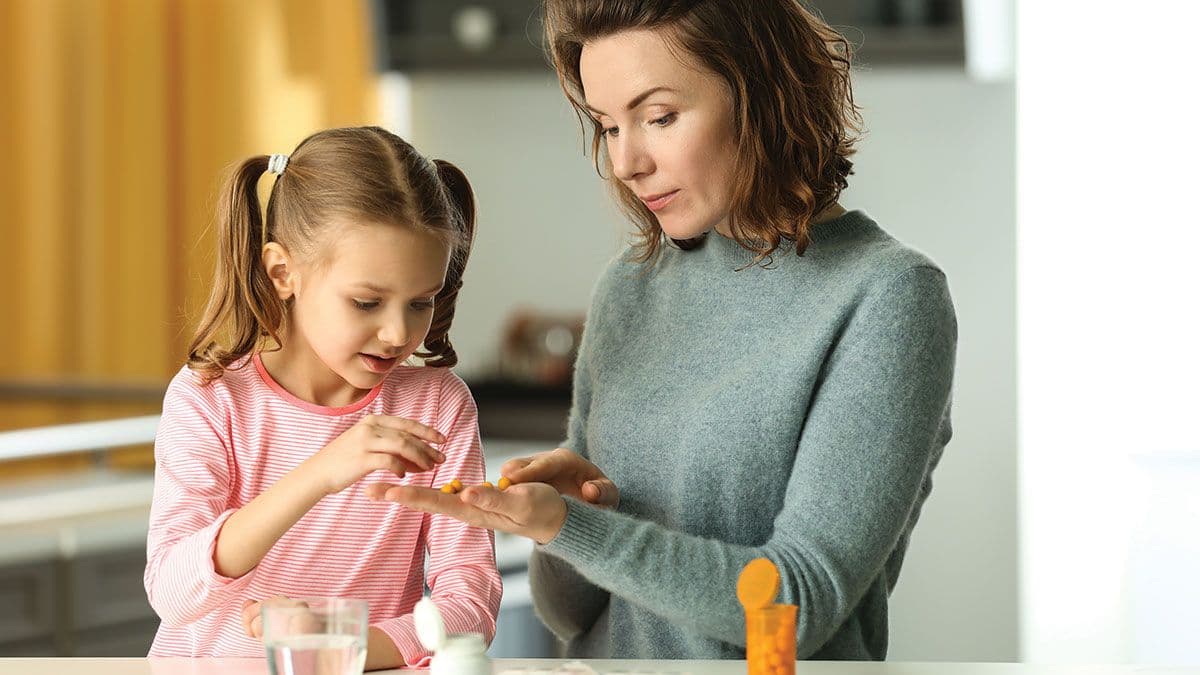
pixel 829 214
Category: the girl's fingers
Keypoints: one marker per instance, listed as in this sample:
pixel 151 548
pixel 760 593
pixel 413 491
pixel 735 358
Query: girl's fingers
pixel 401 424
pixel 418 456
pixel 250 609
pixel 382 461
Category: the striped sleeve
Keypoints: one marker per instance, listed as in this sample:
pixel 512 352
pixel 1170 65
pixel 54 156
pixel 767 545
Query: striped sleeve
pixel 462 576
pixel 192 487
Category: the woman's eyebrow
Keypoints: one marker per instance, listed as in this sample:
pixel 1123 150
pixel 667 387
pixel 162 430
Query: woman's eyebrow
pixel 635 101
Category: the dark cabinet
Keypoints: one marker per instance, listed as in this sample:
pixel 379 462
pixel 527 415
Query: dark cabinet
pixel 28 608
pixel 92 604
pixel 481 35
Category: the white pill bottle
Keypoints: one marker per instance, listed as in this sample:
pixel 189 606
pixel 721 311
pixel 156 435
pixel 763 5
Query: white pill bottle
pixel 462 654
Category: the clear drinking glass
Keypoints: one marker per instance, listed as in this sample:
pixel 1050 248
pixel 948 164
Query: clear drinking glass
pixel 315 636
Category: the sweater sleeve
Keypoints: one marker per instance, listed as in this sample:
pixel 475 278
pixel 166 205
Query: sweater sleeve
pixel 879 418
pixel 462 576
pixel 192 486
pixel 563 598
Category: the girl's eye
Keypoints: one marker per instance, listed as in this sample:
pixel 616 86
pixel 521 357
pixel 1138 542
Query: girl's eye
pixel 423 305
pixel 365 305
pixel 608 132
pixel 665 120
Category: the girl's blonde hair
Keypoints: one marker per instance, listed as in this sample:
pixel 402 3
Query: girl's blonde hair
pixel 358 173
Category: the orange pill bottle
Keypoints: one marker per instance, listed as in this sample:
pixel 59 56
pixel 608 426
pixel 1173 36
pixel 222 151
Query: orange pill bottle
pixel 770 628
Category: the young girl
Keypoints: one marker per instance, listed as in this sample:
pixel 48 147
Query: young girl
pixel 296 396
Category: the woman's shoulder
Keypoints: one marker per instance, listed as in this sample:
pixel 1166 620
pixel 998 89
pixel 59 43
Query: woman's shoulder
pixel 872 256
pixel 623 272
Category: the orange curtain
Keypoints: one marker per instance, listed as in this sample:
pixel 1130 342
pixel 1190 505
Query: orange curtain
pixel 118 118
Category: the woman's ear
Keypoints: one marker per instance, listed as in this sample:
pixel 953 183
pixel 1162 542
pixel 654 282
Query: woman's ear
pixel 280 270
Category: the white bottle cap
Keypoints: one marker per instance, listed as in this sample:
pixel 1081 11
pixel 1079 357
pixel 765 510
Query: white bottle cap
pixel 431 630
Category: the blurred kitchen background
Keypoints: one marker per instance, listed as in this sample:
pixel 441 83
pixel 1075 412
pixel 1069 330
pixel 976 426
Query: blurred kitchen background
pixel 1043 151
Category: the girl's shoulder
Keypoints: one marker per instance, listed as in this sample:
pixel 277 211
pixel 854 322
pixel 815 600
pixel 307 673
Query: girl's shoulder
pixel 232 389
pixel 440 386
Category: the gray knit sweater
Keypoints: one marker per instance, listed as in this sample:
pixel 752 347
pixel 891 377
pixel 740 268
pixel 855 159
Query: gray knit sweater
pixel 795 412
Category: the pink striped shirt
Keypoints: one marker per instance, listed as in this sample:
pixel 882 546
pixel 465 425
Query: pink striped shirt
pixel 219 446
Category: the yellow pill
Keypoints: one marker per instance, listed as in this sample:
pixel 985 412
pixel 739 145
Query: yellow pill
pixel 456 484
pixel 504 483
pixel 448 489
pixel 486 484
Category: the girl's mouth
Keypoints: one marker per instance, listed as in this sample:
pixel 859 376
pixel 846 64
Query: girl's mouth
pixel 377 364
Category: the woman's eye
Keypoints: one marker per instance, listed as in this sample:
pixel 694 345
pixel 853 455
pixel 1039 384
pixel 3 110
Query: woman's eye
pixel 608 132
pixel 423 305
pixel 365 305
pixel 664 120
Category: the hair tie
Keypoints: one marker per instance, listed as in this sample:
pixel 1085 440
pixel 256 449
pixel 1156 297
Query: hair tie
pixel 276 164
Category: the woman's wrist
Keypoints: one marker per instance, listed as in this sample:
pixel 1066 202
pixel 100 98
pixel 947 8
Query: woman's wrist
pixel 557 522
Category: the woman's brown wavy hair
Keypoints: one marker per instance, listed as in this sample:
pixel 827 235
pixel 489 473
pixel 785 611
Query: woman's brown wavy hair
pixel 360 173
pixel 794 113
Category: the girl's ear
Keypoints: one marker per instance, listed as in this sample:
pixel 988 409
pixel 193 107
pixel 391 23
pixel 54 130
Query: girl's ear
pixel 280 270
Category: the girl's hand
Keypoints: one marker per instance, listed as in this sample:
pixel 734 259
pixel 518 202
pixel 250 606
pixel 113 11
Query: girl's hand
pixel 252 616
pixel 566 472
pixel 533 510
pixel 376 442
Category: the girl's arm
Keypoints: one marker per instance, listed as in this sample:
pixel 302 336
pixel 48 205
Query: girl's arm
pixel 192 488
pixel 462 575
pixel 250 532
pixel 375 442
pixel 201 550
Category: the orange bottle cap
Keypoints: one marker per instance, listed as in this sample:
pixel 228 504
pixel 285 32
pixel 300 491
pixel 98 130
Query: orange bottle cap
pixel 758 584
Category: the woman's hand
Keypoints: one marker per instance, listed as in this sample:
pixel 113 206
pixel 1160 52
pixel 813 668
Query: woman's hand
pixel 376 442
pixel 567 472
pixel 533 510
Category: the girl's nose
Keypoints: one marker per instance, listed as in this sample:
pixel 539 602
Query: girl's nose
pixel 393 334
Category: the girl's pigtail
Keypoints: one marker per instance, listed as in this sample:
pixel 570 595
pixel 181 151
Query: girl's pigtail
pixel 438 350
pixel 242 305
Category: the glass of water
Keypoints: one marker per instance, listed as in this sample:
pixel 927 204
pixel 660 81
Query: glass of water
pixel 315 636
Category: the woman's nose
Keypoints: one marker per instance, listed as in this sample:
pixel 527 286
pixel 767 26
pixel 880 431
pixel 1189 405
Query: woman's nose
pixel 630 158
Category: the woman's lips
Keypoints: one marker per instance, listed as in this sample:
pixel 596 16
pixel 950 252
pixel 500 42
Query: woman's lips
pixel 659 201
pixel 377 364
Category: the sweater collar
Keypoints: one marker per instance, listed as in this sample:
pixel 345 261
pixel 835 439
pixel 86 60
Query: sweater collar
pixel 846 226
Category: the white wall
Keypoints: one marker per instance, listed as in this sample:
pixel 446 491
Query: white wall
pixel 1109 327
pixel 546 225
pixel 937 170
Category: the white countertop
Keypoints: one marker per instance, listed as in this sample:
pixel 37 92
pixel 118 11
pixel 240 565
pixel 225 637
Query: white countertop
pixel 174 666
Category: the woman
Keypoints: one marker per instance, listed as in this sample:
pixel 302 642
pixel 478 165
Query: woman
pixel 763 373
